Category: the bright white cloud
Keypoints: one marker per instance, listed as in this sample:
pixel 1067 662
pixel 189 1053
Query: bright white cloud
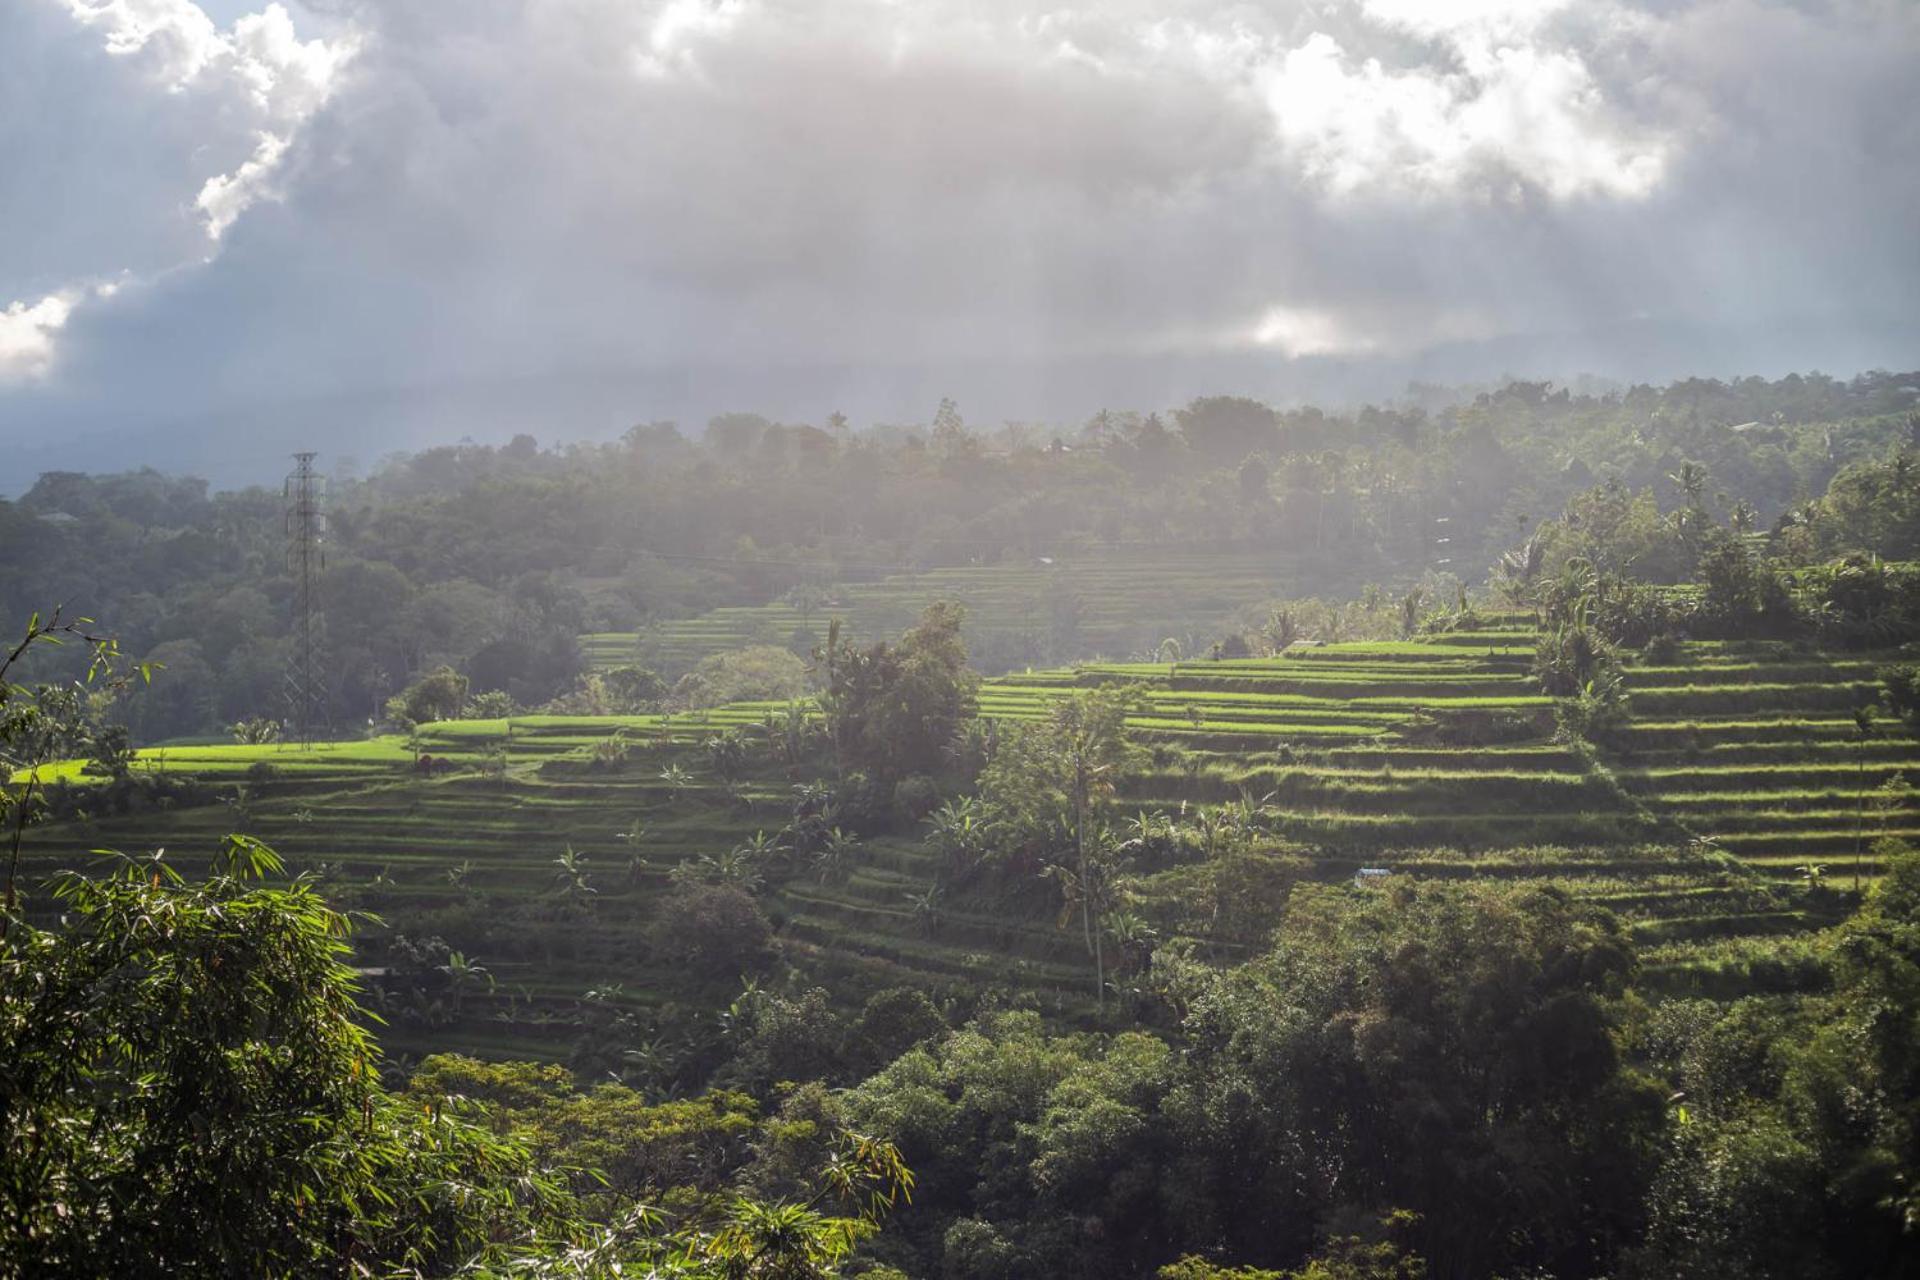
pixel 228 195
pixel 175 44
pixel 1512 116
pixel 174 39
pixel 678 29
pixel 26 337
pixel 1382 328
pixel 291 78
pixel 1295 331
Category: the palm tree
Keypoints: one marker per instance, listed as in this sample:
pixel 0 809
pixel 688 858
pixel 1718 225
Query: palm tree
pixel 1247 814
pixel 958 832
pixel 1411 605
pixel 1573 595
pixel 1282 629
pixel 1132 936
pixel 1519 571
pixel 759 848
pixel 786 731
pixel 1144 833
pixel 834 859
pixel 463 975
pixel 1092 889
pixel 1691 480
pixel 726 755
pixel 737 868
pixel 570 881
pixel 1091 741
pixel 926 908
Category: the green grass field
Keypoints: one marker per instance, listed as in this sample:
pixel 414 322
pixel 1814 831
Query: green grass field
pixel 1114 603
pixel 1431 758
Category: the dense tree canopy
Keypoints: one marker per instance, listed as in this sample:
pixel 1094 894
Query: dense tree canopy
pixel 492 560
pixel 893 709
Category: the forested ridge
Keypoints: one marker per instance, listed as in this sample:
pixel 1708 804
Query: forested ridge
pixel 496 560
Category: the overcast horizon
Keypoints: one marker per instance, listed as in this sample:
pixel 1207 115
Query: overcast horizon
pixel 233 229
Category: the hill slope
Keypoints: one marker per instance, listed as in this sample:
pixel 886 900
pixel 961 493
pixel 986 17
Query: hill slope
pixel 1433 757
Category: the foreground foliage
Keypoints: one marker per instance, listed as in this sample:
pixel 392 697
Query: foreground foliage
pixel 187 1088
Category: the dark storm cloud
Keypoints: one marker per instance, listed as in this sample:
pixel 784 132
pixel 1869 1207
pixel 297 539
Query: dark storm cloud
pixel 570 215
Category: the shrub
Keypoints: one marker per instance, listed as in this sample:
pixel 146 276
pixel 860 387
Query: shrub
pixel 112 753
pixel 494 704
pixel 132 793
pixel 714 930
pixel 1663 650
pixel 1901 686
pixel 915 796
pixel 758 673
pixel 256 731
pixel 1599 710
pixel 975 1250
pixel 860 805
pixel 610 752
pixel 893 1022
pixel 438 695
pixel 1569 657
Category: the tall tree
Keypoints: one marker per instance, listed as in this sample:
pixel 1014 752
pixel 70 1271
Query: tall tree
pixel 893 709
pixel 1225 429
pixel 1059 774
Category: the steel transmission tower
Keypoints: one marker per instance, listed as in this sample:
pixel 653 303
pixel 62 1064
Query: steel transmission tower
pixel 305 494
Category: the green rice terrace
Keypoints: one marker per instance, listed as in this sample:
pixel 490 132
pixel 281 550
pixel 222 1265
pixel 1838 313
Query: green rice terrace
pixel 1110 604
pixel 1741 788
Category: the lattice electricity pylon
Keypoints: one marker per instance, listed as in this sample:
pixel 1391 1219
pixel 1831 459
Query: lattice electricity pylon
pixel 305 494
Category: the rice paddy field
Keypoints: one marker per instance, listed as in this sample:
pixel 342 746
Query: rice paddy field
pixel 1730 818
pixel 1120 603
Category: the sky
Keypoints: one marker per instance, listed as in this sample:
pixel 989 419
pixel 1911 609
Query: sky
pixel 230 230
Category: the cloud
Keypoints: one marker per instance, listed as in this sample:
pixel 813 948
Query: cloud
pixel 175 45
pixel 1503 19
pixel 130 132
pixel 26 336
pixel 228 195
pixel 675 205
pixel 1517 116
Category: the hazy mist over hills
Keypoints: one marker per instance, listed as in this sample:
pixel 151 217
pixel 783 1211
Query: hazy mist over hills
pixel 361 226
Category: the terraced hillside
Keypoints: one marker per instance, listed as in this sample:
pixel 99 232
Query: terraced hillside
pixel 1434 757
pixel 1112 604
pixel 1757 750
pixel 469 856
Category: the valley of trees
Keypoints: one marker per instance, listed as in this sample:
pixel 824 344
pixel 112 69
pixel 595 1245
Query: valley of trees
pixel 1526 889
pixel 495 560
